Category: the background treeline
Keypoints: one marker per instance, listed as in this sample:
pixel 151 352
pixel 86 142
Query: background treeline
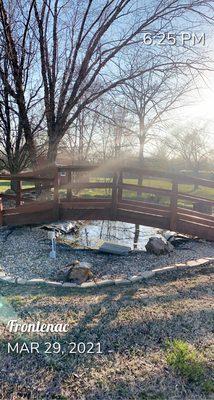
pixel 87 81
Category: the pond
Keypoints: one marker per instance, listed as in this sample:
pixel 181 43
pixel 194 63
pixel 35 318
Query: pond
pixel 95 232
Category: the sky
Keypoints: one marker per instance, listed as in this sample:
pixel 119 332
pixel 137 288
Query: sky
pixel 203 101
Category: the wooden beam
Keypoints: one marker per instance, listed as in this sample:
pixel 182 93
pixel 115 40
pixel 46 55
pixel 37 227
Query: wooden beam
pixel 1 212
pixel 18 193
pixel 115 193
pixel 69 189
pixel 173 206
pixel 146 189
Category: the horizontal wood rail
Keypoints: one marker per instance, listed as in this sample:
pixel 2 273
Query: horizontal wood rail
pixel 95 192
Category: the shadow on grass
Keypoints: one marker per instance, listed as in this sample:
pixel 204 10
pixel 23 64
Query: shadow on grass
pixel 130 328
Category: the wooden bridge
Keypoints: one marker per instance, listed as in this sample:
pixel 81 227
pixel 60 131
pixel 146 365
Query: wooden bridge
pixel 130 194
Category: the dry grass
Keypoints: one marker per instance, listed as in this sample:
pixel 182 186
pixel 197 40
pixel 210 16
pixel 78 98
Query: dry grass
pixel 132 325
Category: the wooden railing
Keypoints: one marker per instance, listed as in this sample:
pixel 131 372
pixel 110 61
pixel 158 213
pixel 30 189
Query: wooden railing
pixel 159 202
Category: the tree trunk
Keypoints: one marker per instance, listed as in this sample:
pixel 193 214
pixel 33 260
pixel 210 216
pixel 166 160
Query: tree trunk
pixel 141 159
pixel 14 186
pixel 196 175
pixel 52 150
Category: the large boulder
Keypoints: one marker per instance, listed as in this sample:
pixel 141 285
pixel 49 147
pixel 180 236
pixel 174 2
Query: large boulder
pixel 78 272
pixel 157 246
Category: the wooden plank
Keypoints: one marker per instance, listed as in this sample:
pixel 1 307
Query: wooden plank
pixel 194 199
pixel 86 200
pixel 200 220
pixel 56 188
pixel 142 203
pixel 89 185
pixel 1 212
pixel 28 219
pixel 173 206
pixel 32 207
pixel 115 192
pixel 23 178
pixel 29 190
pixel 77 206
pixel 198 214
pixel 195 229
pixel 180 178
pixel 146 189
pixel 120 190
pixel 33 188
pixel 18 193
pixel 85 214
pixel 69 189
pixel 142 208
pixel 77 168
pixel 157 221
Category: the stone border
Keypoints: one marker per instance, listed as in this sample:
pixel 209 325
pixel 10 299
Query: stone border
pixel 108 282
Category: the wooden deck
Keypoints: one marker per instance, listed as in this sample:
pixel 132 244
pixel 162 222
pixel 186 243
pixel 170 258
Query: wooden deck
pixel 167 202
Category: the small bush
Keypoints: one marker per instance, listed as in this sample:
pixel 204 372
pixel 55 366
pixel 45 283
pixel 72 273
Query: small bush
pixel 185 360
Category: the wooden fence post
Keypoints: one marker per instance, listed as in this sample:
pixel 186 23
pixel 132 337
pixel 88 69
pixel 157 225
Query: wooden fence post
pixel 1 212
pixel 56 187
pixel 69 190
pixel 18 193
pixel 173 206
pixel 120 190
pixel 115 194
pixel 56 196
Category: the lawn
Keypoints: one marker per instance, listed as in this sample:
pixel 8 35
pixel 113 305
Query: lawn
pixel 201 191
pixel 155 338
pixel 4 185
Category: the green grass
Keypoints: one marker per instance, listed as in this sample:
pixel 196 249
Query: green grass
pixel 201 191
pixel 208 386
pixel 185 360
pixel 189 363
pixel 4 185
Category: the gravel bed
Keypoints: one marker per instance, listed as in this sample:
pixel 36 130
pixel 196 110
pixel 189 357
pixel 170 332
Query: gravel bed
pixel 24 252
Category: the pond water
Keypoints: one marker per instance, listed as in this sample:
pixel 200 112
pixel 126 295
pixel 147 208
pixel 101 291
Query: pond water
pixel 95 232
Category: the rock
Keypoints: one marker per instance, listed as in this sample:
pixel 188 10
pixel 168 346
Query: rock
pixel 76 272
pixel 54 283
pixel 69 285
pixel 177 240
pixel 114 248
pixel 80 273
pixel 64 228
pixel 63 273
pixel 105 282
pixel 122 282
pixel 157 246
pixel 88 284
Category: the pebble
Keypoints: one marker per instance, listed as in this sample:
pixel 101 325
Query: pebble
pixel 24 253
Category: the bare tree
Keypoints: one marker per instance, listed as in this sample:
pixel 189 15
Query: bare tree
pixel 79 43
pixel 148 99
pixel 16 62
pixel 80 140
pixel 191 144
